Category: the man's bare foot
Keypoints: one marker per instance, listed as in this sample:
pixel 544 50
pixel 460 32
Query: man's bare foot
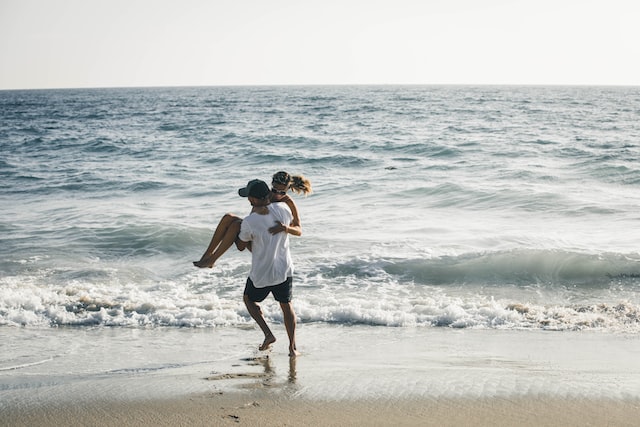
pixel 267 343
pixel 293 352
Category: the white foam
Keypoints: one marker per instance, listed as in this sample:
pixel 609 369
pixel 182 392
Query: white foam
pixel 24 365
pixel 363 292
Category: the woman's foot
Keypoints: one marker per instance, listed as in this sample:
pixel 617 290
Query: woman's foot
pixel 203 263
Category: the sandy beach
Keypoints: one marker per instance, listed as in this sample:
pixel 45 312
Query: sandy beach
pixel 258 409
pixel 348 375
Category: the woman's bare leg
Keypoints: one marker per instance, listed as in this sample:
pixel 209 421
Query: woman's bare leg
pixel 228 239
pixel 223 237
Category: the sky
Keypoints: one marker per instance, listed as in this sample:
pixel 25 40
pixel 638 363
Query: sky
pixel 133 43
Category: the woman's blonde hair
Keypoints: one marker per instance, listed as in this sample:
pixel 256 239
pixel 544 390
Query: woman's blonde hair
pixel 298 183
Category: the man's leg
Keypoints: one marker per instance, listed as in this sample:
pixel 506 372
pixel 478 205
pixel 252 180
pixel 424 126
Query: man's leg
pixel 290 325
pixel 256 313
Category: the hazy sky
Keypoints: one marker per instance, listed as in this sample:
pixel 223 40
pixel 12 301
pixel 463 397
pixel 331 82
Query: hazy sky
pixel 102 43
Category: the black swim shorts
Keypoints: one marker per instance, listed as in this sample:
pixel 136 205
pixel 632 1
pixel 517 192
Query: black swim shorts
pixel 282 292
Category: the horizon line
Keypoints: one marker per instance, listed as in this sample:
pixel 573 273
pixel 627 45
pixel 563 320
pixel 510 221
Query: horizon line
pixel 246 85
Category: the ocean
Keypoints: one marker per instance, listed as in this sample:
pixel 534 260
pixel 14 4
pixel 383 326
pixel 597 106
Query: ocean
pixel 433 206
pixel 460 242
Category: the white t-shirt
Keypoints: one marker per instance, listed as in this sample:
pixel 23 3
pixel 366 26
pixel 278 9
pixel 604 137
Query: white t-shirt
pixel 271 262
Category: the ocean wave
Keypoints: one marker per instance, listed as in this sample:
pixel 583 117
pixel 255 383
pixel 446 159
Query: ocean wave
pixel 178 305
pixel 520 266
pixel 68 244
pixel 142 240
pixel 82 304
pixel 552 290
pixel 106 146
pixel 479 313
pixel 449 194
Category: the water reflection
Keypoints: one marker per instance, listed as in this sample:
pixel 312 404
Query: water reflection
pixel 266 378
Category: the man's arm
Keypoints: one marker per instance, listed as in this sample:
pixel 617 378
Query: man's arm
pixel 242 245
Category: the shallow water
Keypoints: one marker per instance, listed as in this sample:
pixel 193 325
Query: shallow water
pixel 54 366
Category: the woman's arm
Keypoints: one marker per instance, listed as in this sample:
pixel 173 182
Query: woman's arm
pixel 295 228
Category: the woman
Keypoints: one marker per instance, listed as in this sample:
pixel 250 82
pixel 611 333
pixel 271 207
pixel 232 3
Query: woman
pixel 228 228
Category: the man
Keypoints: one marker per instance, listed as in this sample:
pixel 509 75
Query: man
pixel 271 264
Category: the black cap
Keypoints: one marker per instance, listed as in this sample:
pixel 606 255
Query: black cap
pixel 255 188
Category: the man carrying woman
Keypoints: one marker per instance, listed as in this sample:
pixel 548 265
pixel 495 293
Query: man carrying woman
pixel 226 232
